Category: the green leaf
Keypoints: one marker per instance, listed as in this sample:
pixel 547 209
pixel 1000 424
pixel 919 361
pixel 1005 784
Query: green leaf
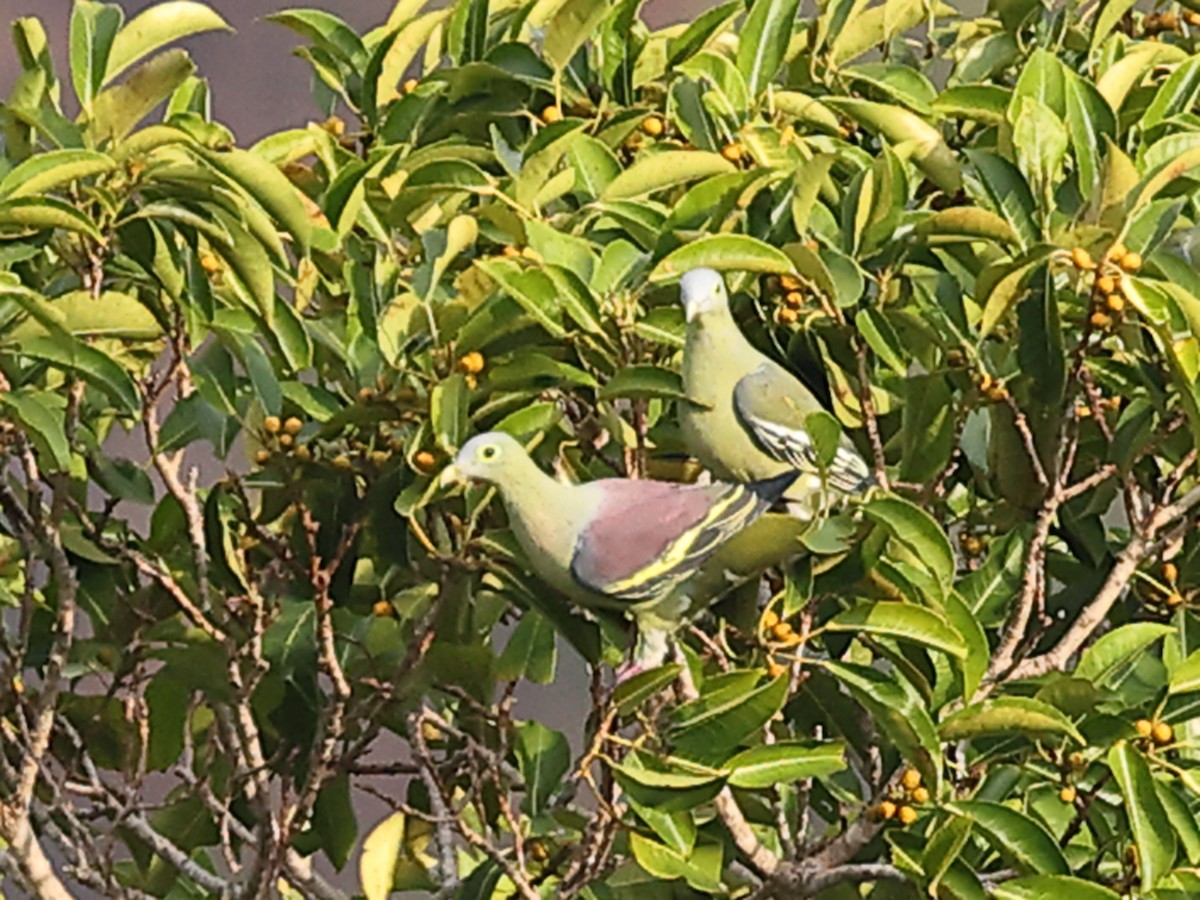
pixel 1186 676
pixel 763 42
pixel 1017 837
pixel 986 103
pixel 900 712
pixel 543 757
pixel 118 109
pixel 1039 887
pixel 574 22
pixel 702 870
pixel 1118 647
pixel 723 252
pixel 112 314
pixel 41 413
pixel 530 652
pixel 45 171
pixel 676 829
pixel 1178 94
pixel 663 170
pixel 268 186
pixel 1152 830
pixel 122 479
pixel 167 714
pixel 784 762
pixel 874 326
pixel 448 412
pixel 943 849
pixel 974 664
pixel 95 366
pixel 1183 820
pixel 644 381
pixel 1007 715
pixel 1006 191
pixel 93 30
pixel 334 821
pixel 630 694
pixel 156 27
pixel 1040 139
pixel 45 213
pixel 1111 12
pixel 915 529
pixel 531 288
pixel 910 136
pixel 708 731
pixel 966 223
pixel 903 621
pixel 326 31
pixel 999 287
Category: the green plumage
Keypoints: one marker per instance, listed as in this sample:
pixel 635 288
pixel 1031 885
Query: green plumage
pixel 745 415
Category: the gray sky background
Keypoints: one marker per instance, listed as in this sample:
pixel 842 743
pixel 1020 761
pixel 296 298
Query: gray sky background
pixel 258 86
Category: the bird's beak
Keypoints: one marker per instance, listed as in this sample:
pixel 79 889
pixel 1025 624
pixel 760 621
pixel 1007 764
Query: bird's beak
pixel 451 475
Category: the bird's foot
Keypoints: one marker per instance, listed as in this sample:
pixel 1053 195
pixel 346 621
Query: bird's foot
pixel 627 670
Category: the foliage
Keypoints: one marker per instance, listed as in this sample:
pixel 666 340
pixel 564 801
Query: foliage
pixel 971 235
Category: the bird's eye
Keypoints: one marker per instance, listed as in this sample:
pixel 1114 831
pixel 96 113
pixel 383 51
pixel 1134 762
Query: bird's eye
pixel 489 452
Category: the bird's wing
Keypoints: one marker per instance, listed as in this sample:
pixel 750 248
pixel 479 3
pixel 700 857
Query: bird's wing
pixel 647 537
pixel 768 403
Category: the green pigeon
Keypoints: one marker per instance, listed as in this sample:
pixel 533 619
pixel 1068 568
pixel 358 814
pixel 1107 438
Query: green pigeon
pixel 745 415
pixel 615 543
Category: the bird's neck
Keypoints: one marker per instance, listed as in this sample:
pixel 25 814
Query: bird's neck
pixel 537 506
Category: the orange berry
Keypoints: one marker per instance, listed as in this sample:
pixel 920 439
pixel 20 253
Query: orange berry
pixel 781 631
pixel 785 315
pixel 793 299
pixel 732 152
pixel 383 609
pixel 342 462
pixel 262 456
pixel 411 85
pixel 334 126
pixel 770 619
pixel 886 809
pixel 379 458
pixel 210 263
pixel 510 251
pixel 776 670
pixel 1162 733
pixel 907 815
pixel 1144 727
pixel 271 424
pixel 538 851
pixel 653 126
pixel 920 795
pixel 1115 252
pixel 983 381
pixel 1131 262
pixel 1067 794
pixel 1106 284
pixel 471 363
pixel 424 461
pixel 551 114
pixel 1174 600
pixel 997 393
pixel 1170 572
pixel 286 440
pixel 293 425
pixel 790 282
pixel 365 394
pixel 911 779
pixel 1081 259
pixel 1101 320
pixel 1114 302
pixel 302 453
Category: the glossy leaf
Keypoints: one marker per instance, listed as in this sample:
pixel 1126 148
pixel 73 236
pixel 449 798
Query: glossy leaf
pixel 1015 836
pixel 784 762
pixel 1152 832
pixel 1007 715
pixel 903 621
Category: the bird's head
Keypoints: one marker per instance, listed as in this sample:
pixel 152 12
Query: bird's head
pixel 702 291
pixel 485 457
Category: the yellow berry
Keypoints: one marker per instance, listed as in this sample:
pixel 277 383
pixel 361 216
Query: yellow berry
pixel 1114 302
pixel 911 779
pixel 411 85
pixel 551 114
pixel 1067 794
pixel 732 152
pixel 997 393
pixel 343 462
pixel 983 381
pixel 1081 259
pixel 1162 733
pixel 262 456
pixel 538 851
pixel 334 126
pixel 292 426
pixel 907 815
pixel 383 609
pixel 210 263
pixel 770 619
pixel 286 440
pixel 1144 727
pixel 790 282
pixel 1131 262
pixel 1116 252
pixel 781 631
pixel 787 136
pixel 431 732
pixel 794 299
pixel 776 670
pixel 886 809
pixel 1170 572
pixel 920 795
pixel 1174 600
pixel 302 453
pixel 271 424
pixel 653 126
pixel 471 363
pixel 1101 320
pixel 1106 284
pixel 1076 760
